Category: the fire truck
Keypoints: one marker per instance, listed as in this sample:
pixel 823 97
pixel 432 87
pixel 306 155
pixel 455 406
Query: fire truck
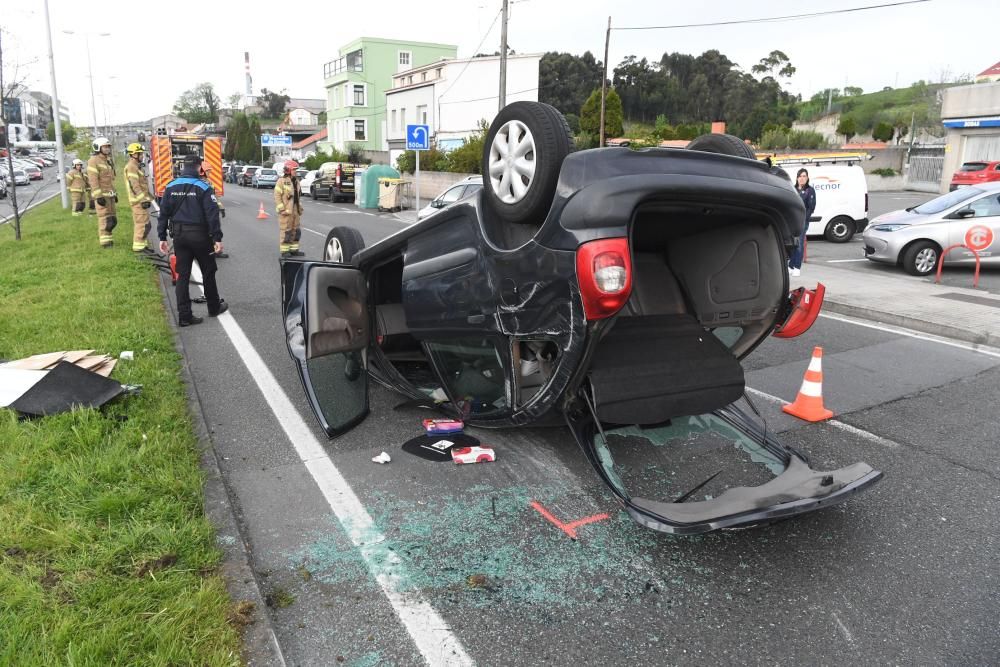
pixel 168 153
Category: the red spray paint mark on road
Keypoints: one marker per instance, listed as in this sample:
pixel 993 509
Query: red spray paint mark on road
pixel 568 528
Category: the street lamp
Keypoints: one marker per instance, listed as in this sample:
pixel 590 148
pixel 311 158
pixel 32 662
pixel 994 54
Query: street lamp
pixel 90 70
pixel 60 149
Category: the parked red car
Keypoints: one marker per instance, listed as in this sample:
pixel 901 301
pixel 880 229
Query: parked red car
pixel 975 173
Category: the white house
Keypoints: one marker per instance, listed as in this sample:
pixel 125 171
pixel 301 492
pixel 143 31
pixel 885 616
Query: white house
pixel 453 96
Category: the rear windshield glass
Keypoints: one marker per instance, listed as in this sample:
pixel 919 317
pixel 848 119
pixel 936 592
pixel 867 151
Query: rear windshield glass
pixel 945 202
pixel 973 166
pixel 267 172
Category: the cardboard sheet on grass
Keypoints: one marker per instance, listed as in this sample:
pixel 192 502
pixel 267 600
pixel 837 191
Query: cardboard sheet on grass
pixel 46 384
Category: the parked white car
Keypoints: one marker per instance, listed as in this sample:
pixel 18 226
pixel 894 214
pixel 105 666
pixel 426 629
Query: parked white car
pixel 464 188
pixel 305 183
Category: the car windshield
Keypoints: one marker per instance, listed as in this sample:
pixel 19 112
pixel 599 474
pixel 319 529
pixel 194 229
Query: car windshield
pixel 973 166
pixel 946 201
pixel 268 172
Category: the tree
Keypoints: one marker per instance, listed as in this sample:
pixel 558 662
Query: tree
pixel 198 105
pixel 847 127
pixel 590 114
pixel 272 103
pixel 853 91
pixel 882 132
pixel 234 100
pixel 565 80
pixel 774 62
pixel 68 132
pixel 468 158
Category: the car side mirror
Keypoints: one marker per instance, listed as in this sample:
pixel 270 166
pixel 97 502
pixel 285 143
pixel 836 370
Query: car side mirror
pixel 437 203
pixel 964 213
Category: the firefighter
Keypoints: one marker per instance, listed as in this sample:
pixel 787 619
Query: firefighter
pixel 77 184
pixel 101 176
pixel 286 200
pixel 138 197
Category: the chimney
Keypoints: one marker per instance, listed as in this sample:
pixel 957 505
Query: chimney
pixel 246 60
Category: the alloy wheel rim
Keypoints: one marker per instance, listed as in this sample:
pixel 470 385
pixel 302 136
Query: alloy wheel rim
pixel 926 259
pixel 512 162
pixel 334 251
pixel 840 230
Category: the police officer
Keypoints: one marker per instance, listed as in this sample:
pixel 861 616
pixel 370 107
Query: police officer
pixel 101 176
pixel 190 208
pixel 77 184
pixel 139 197
pixel 286 201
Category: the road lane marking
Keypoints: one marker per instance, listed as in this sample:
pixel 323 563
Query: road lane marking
pixel 854 430
pixel 429 631
pixel 970 347
pixel 841 261
pixel 313 231
pixel 843 628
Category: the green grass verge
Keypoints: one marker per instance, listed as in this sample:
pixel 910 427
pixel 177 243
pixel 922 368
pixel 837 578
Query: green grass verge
pixel 106 557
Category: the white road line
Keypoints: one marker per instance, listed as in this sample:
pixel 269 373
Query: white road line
pixel 854 430
pixel 430 632
pixel 841 261
pixel 971 347
pixel 313 231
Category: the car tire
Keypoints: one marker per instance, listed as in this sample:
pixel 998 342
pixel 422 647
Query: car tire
pixel 726 144
pixel 524 196
pixel 839 230
pixel 312 193
pixel 921 258
pixel 342 244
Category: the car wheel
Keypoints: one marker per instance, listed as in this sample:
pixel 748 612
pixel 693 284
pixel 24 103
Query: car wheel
pixel 522 156
pixel 312 193
pixel 342 244
pixel 839 230
pixel 726 144
pixel 921 258
pixel 333 200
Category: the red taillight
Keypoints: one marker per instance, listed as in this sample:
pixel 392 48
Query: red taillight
pixel 604 271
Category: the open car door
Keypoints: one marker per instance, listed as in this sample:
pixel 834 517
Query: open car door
pixel 327 333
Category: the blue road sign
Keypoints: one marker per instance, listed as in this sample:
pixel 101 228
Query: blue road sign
pixel 418 137
pixel 275 140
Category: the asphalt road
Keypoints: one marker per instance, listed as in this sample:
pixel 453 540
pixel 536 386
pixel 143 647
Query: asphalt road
pixel 852 254
pixel 34 192
pixel 903 574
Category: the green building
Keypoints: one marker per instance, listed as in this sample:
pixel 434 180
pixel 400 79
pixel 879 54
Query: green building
pixel 356 83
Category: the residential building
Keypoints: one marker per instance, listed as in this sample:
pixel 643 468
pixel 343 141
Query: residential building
pixel 308 146
pixel 989 75
pixel 357 81
pixel 26 110
pixel 971 118
pixel 168 124
pixel 454 96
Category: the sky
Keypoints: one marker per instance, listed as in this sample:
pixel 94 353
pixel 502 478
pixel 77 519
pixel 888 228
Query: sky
pixel 149 57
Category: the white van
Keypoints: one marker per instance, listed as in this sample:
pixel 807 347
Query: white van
pixel 841 198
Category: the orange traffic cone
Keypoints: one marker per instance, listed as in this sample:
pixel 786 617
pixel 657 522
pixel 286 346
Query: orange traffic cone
pixel 808 404
pixel 261 214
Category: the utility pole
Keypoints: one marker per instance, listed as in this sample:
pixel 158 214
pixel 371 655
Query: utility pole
pixel 6 139
pixel 829 99
pixel 503 58
pixel 90 71
pixel 604 81
pixel 64 196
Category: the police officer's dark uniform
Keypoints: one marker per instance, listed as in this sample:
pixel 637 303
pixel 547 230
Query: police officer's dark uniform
pixel 189 206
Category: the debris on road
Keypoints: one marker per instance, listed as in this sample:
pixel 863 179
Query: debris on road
pixel 127 355
pixel 382 458
pixel 438 448
pixel 473 455
pixel 65 387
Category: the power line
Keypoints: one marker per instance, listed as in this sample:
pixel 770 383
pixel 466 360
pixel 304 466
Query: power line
pixel 469 61
pixel 774 19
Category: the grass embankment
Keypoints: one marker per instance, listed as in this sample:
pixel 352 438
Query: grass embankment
pixel 105 554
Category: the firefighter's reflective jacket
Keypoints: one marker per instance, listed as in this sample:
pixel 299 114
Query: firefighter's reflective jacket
pixel 101 176
pixel 138 186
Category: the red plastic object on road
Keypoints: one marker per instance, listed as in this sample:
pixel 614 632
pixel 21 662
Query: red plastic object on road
pixel 173 269
pixel 806 305
pixel 443 426
pixel 473 455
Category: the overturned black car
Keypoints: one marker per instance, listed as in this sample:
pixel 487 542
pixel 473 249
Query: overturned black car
pixel 607 288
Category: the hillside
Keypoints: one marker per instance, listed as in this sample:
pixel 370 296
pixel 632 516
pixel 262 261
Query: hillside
pixel 896 107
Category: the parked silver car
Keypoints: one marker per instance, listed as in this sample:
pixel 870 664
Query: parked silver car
pixel 464 188
pixel 915 238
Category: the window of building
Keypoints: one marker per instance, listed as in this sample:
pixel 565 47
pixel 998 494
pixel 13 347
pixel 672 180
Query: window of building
pixel 404 59
pixel 394 126
pixel 402 118
pixel 360 130
pixel 355 61
pixel 423 76
pixel 439 72
pixel 422 114
pixel 359 95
